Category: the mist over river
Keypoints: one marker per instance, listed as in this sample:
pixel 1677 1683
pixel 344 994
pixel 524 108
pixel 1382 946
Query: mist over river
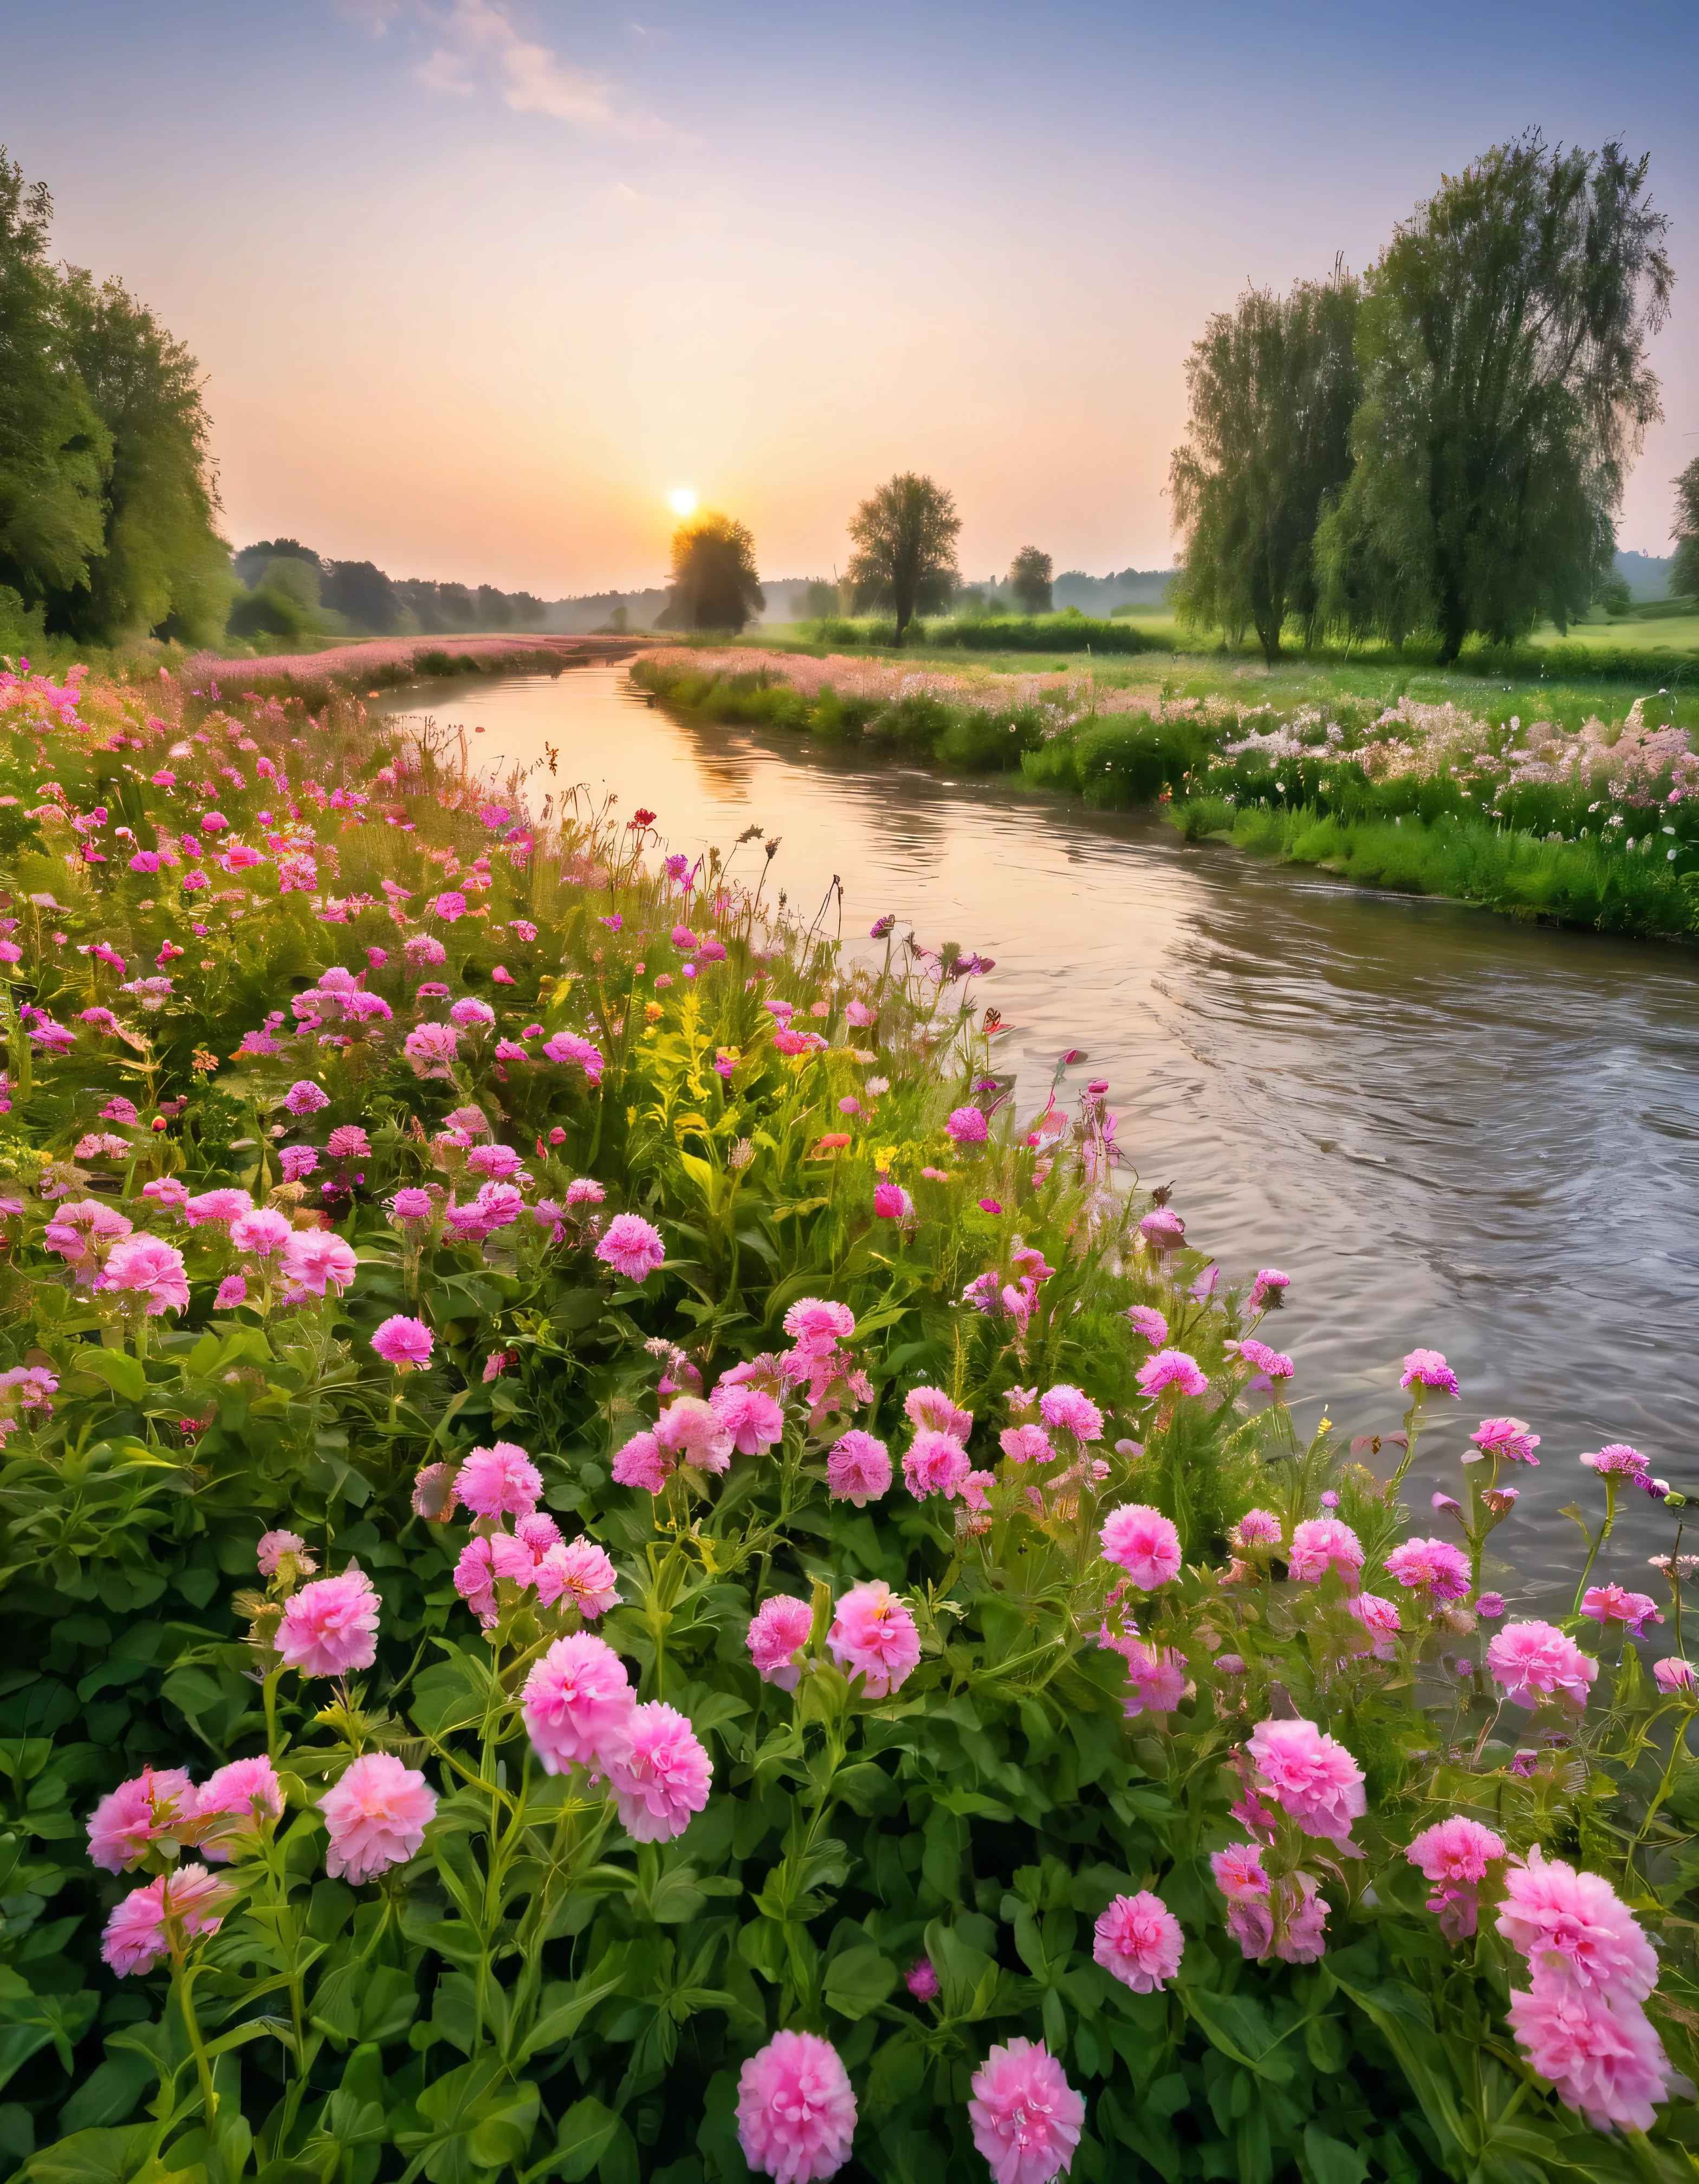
pixel 1451 1129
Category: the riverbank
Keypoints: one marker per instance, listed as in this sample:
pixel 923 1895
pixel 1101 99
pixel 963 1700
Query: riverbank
pixel 1557 811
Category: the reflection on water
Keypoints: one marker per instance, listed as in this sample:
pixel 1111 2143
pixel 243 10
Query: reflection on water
pixel 1450 1129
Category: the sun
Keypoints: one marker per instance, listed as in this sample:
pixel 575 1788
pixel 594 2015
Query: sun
pixel 682 501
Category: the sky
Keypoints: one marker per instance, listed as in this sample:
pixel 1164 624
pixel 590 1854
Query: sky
pixel 476 284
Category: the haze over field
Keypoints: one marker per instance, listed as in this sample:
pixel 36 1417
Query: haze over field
pixel 476 283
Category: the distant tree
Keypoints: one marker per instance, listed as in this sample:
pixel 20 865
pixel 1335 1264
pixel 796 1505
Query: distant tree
pixel 820 600
pixel 494 608
pixel 526 607
pixel 1029 579
pixel 1614 596
pixel 1273 385
pixel 905 537
pixel 715 585
pixel 54 451
pixel 164 569
pixel 252 561
pixel 284 602
pixel 1502 346
pixel 1683 574
pixel 360 591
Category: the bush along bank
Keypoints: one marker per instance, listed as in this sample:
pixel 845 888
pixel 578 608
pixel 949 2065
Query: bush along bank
pixel 610 1568
pixel 1574 818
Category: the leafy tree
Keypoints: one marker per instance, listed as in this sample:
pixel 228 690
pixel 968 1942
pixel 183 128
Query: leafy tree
pixel 905 537
pixel 164 567
pixel 715 585
pixel 820 600
pixel 1502 346
pixel 1273 385
pixel 1683 575
pixel 285 602
pixel 54 451
pixel 252 561
pixel 360 591
pixel 1029 579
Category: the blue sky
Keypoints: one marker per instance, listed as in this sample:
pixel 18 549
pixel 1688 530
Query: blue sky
pixel 476 282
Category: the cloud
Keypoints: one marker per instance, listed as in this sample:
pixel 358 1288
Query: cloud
pixel 480 49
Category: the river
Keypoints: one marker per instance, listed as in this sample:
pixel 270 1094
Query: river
pixel 1451 1129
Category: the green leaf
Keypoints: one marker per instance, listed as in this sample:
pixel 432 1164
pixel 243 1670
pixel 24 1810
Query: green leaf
pixel 859 1981
pixel 587 2132
pixel 1331 2160
pixel 127 1376
pixel 565 2007
pixel 1239 2028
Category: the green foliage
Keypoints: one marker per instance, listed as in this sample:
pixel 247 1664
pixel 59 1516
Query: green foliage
pixel 1271 390
pixel 715 585
pixel 1684 577
pixel 1071 632
pixel 1030 573
pixel 904 539
pixel 1502 346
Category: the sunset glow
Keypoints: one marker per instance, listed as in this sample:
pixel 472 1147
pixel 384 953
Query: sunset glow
pixel 681 502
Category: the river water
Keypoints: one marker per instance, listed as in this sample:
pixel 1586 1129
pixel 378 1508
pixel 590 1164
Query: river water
pixel 1451 1129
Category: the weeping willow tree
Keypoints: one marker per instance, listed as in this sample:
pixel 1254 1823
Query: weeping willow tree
pixel 1272 387
pixel 1502 344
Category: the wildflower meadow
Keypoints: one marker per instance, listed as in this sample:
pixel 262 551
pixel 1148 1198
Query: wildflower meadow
pixel 614 1566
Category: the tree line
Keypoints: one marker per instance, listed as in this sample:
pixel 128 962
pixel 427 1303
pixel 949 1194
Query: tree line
pixel 109 504
pixel 1439 447
pixel 290 591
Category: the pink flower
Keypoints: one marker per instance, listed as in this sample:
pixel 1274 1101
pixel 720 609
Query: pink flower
pixel 1268 1289
pixel 857 1469
pixel 921 1979
pixel 377 1815
pixel 319 1261
pixel 138 1935
pixel 348 1141
pixel 1508 1438
pixel 1137 1940
pixel 891 1202
pixel 330 1625
pixel 815 1325
pixel 661 1774
pixel 1609 1604
pixel 754 1418
pixel 1066 1410
pixel 966 1126
pixel 1239 1873
pixel 1618 1460
pixel 1144 1542
pixel 1380 1620
pixel 1454 1854
pixel 272 1548
pixel 501 1481
pixel 1260 1527
pixel 1026 1445
pixel 216 1206
pixel 931 1407
pixel 1427 1368
pixel 1314 1779
pixel 1320 1544
pixel 1607 2062
pixel 1575 1931
pixel 431 1048
pixel 1026 2117
pixel 153 1803
pixel 1275 1363
pixel 405 1344
pixel 935 1463
pixel 1146 1321
pixel 694 1433
pixel 232 1290
pixel 1673 1675
pixel 305 1098
pixel 485 1563
pixel 641 1463
pixel 143 1266
pixel 1171 1369
pixel 779 1626
pixel 580 1571
pixel 873 1635
pixel 796 2113
pixel 243 1792
pixel 1163 1229
pixel 298 1161
pixel 261 1232
pixel 1534 1661
pixel 1431 1566
pixel 577 1053
pixel 1156 1677
pixel 576 1701
pixel 631 1247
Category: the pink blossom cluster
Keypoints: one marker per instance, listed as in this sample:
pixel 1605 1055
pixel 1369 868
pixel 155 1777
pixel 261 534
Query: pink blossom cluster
pixel 579 1710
